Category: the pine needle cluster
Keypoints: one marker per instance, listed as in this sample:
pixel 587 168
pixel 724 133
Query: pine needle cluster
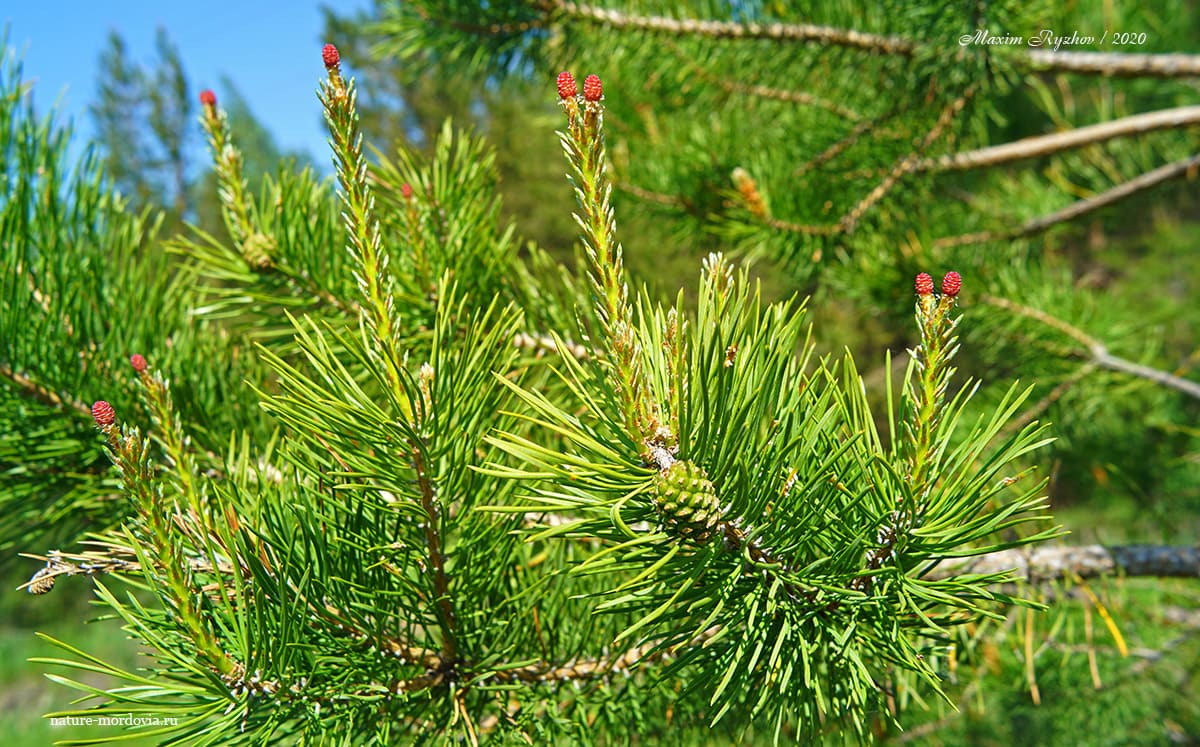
pixel 454 497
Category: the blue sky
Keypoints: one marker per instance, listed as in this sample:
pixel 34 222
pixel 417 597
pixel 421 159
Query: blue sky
pixel 271 49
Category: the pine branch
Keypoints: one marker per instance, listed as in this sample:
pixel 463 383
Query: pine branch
pixel 1034 411
pixel 583 143
pixel 447 619
pixel 803 98
pixel 1093 63
pixel 658 198
pixel 906 164
pixel 363 231
pixel 1096 350
pixel 35 390
pixel 804 33
pixel 1185 168
pixel 865 127
pixel 1115 64
pixel 1042 145
pixel 162 525
pixel 231 179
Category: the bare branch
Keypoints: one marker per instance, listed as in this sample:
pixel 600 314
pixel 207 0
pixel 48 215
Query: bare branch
pixel 1067 329
pixel 1044 563
pixel 1096 349
pixel 658 198
pixel 31 388
pixel 1041 145
pixel 730 30
pixel 1108 63
pixel 1033 411
pixel 1107 360
pixel 856 134
pixel 906 164
pixel 1074 210
pixel 764 92
pixel 1036 60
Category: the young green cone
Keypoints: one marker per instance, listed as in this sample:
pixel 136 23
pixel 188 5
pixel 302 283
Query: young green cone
pixel 687 501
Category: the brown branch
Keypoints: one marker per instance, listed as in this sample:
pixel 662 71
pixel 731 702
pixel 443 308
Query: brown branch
pixel 582 669
pixel 437 561
pixel 905 165
pixel 1032 412
pixel 764 92
pixel 34 390
pixel 1184 168
pixel 1050 563
pixel 1041 145
pixel 1116 64
pixel 837 148
pixel 1054 322
pixel 804 228
pixel 1096 349
pixel 1092 63
pixel 786 95
pixel 659 198
pixel 731 30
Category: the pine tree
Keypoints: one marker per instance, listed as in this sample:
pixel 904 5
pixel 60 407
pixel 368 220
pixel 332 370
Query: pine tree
pixel 857 148
pixel 379 478
pixel 119 109
pixel 405 101
pixel 143 119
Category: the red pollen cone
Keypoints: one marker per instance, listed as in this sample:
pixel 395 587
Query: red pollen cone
pixel 592 90
pixel 566 85
pixel 103 413
pixel 951 284
pixel 330 56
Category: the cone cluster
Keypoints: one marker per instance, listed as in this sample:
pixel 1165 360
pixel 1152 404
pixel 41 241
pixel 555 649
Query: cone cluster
pixel 687 501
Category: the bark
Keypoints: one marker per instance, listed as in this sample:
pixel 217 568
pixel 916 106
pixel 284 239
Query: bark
pixel 1050 563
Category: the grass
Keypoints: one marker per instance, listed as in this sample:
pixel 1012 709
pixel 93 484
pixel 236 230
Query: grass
pixel 1091 691
pixel 26 694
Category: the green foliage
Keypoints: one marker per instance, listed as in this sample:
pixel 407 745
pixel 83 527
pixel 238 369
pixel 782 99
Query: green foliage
pixel 79 267
pixel 836 161
pixel 142 120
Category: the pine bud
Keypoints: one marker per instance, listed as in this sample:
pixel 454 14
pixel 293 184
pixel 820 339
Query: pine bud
pixel 748 188
pixel 592 91
pixel 138 362
pixel 208 98
pixel 566 85
pixel 42 582
pixel 687 500
pixel 924 284
pixel 406 191
pixel 104 414
pixel 951 284
pixel 330 56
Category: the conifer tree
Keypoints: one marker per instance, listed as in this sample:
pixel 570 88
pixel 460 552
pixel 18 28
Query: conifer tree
pixel 379 478
pixel 144 121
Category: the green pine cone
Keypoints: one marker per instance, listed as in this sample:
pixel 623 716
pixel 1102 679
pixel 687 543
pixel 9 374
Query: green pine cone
pixel 687 501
